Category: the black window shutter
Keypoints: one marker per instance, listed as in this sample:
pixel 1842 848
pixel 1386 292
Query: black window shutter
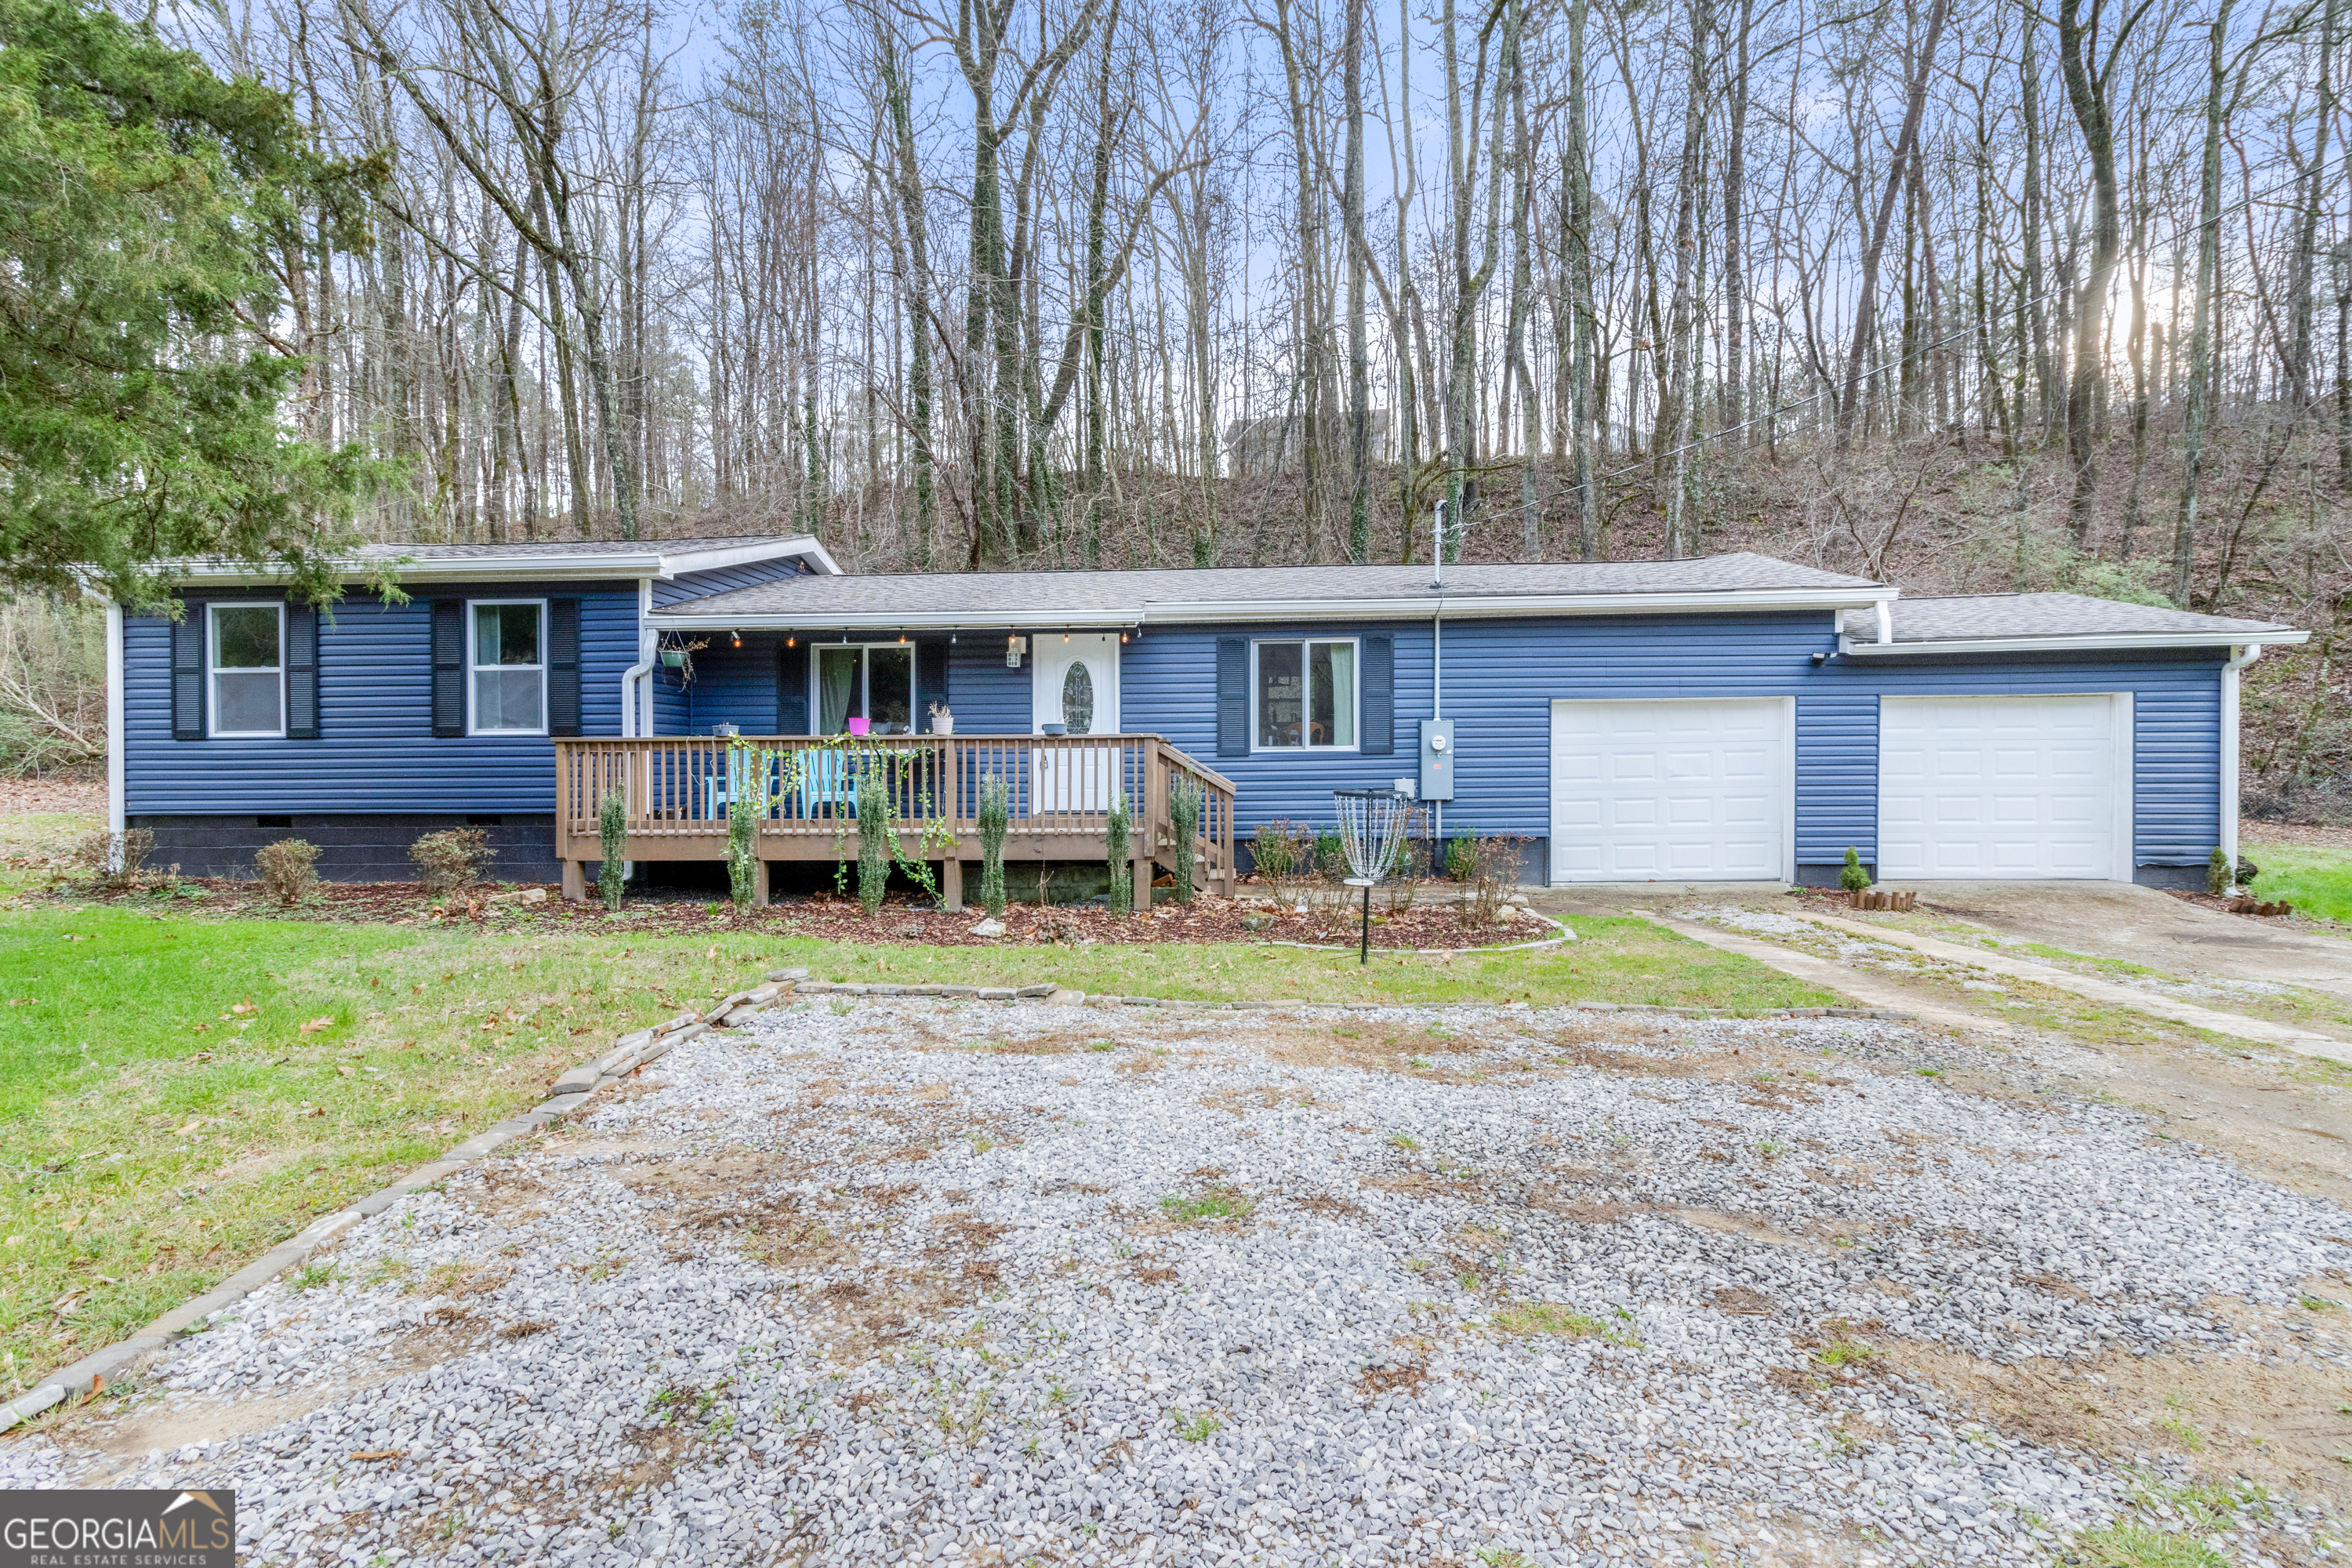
pixel 791 690
pixel 930 681
pixel 1232 696
pixel 301 672
pixel 188 672
pixel 563 667
pixel 449 667
pixel 1377 728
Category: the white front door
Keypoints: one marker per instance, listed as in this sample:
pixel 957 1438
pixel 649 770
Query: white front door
pixel 1698 791
pixel 2005 787
pixel 1075 682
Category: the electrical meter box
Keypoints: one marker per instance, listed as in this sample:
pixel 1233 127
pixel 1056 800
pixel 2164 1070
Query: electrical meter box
pixel 1436 759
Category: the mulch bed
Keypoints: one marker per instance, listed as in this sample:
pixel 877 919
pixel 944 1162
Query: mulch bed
pixel 822 917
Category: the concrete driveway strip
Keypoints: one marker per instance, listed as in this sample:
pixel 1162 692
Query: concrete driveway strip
pixel 2305 1042
pixel 1828 973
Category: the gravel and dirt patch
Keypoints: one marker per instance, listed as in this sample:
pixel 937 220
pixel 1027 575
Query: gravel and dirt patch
pixel 978 1283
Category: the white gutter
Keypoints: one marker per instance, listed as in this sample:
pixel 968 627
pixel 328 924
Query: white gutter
pixel 2109 641
pixel 2238 660
pixel 631 677
pixel 659 564
pixel 816 617
pixel 116 765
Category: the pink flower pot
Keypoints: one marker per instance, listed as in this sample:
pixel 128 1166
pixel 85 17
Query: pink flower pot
pixel 861 726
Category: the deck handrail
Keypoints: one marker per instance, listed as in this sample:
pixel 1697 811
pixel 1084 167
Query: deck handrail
pixel 680 791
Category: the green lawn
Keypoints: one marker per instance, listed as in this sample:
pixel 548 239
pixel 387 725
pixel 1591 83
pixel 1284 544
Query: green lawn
pixel 180 1090
pixel 2318 882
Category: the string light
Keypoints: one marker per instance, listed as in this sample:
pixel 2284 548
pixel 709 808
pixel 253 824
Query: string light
pixel 737 637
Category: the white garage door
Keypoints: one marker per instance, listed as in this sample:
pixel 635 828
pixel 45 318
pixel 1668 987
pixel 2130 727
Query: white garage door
pixel 1677 791
pixel 2008 787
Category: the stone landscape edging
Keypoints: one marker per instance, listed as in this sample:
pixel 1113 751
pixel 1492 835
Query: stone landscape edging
pixel 571 1089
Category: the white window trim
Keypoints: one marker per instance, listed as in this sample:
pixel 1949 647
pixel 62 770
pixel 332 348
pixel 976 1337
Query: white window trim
pixel 213 672
pixel 1354 746
pixel 866 676
pixel 472 669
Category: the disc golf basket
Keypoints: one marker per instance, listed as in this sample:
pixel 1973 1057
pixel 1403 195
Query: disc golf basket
pixel 1372 824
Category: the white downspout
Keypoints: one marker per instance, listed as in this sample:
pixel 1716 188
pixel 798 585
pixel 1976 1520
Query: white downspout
pixel 631 677
pixel 2239 659
pixel 634 691
pixel 117 764
pixel 1885 624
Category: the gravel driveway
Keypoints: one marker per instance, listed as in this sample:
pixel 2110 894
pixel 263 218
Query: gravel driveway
pixel 982 1283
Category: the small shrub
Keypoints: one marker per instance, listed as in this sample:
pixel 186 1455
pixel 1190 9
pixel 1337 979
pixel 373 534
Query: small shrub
pixel 875 839
pixel 1493 871
pixel 1462 856
pixel 2217 873
pixel 1282 849
pixel 995 817
pixel 287 869
pixel 1184 803
pixel 1115 841
pixel 746 782
pixel 2248 872
pixel 452 859
pixel 115 860
pixel 1853 878
pixel 612 832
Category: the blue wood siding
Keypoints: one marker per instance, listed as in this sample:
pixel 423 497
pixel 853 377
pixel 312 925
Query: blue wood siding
pixel 986 697
pixel 1501 678
pixel 1837 777
pixel 376 751
pixel 1167 686
pixel 2175 741
pixel 702 584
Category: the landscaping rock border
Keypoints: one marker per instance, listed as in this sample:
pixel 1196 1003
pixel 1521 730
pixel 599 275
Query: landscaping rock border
pixel 573 1088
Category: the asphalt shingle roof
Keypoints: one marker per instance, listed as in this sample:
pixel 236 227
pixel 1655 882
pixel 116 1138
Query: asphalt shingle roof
pixel 981 594
pixel 1995 616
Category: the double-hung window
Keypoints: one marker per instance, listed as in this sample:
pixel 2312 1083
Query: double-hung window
pixel 507 673
pixel 1304 694
pixel 875 681
pixel 246 650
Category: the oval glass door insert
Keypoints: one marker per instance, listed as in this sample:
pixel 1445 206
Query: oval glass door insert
pixel 1078 700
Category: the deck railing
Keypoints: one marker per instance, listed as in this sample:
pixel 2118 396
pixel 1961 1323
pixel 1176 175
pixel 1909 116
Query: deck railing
pixel 679 793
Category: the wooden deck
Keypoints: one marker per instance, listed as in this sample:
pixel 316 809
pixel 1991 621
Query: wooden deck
pixel 679 792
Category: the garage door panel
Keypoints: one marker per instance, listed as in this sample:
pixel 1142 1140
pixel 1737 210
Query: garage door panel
pixel 2012 787
pixel 1690 790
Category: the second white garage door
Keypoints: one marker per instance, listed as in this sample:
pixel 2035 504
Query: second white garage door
pixel 2004 788
pixel 1670 791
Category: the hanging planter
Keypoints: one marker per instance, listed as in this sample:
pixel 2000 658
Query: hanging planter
pixel 673 658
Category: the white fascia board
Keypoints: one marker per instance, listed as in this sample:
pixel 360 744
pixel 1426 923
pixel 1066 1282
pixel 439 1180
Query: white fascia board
pixel 801 545
pixel 471 570
pixel 1099 619
pixel 1472 606
pixel 474 568
pixel 2108 642
pixel 1198 612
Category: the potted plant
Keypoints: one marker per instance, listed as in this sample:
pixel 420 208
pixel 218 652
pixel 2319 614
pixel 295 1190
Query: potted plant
pixel 861 726
pixel 942 720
